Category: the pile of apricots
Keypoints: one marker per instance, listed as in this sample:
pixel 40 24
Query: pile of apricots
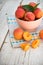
pixel 20 34
pixel 29 12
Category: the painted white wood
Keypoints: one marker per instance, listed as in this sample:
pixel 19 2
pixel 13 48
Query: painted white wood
pixel 3 28
pixel 27 1
pixel 16 56
pixel 10 7
pixel 2 2
pixel 36 56
pixel 20 59
pixel 26 58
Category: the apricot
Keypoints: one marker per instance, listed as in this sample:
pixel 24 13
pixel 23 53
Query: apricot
pixel 38 13
pixel 27 36
pixel 20 12
pixel 20 6
pixel 41 34
pixel 25 46
pixel 33 4
pixel 42 13
pixel 29 16
pixel 18 33
pixel 35 43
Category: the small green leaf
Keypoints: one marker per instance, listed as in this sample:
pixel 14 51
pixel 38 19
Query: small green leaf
pixel 28 8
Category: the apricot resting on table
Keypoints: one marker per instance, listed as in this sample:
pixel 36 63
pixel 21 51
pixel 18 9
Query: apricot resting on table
pixel 41 34
pixel 18 33
pixel 35 43
pixel 29 16
pixel 25 46
pixel 27 36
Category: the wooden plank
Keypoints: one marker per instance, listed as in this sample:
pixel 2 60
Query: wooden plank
pixel 36 56
pixel 3 29
pixel 4 40
pixel 8 55
pixel 5 53
pixel 27 57
pixel 21 58
pixel 9 8
pixel 12 56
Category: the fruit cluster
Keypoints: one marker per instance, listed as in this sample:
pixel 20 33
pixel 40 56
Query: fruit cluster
pixel 21 34
pixel 29 12
pixel 25 46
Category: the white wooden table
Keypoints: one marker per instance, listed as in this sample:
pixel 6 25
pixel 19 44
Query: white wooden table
pixel 16 56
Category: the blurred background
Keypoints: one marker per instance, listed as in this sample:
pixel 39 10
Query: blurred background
pixel 2 2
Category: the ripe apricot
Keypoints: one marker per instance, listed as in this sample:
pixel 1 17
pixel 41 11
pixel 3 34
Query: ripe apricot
pixel 18 33
pixel 41 34
pixel 29 16
pixel 25 46
pixel 20 6
pixel 27 36
pixel 38 13
pixel 33 4
pixel 20 12
pixel 35 43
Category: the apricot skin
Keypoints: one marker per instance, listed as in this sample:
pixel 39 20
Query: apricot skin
pixel 25 46
pixel 20 12
pixel 38 13
pixel 18 34
pixel 35 43
pixel 27 36
pixel 29 16
pixel 41 34
pixel 33 4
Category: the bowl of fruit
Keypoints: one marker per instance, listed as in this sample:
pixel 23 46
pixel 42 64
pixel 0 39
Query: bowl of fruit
pixel 29 16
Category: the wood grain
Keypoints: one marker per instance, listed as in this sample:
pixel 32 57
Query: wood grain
pixel 16 56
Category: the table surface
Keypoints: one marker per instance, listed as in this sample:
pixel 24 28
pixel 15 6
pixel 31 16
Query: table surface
pixel 16 56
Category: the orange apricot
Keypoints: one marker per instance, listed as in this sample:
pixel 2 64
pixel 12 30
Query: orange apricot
pixel 25 46
pixel 27 36
pixel 29 16
pixel 41 34
pixel 20 12
pixel 35 43
pixel 18 33
pixel 33 4
pixel 38 13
